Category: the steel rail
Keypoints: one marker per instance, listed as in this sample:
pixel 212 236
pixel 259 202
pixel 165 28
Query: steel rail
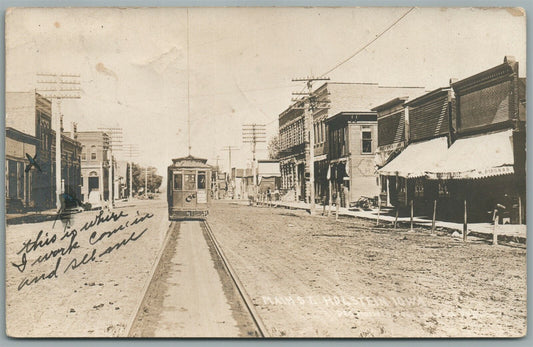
pixel 263 332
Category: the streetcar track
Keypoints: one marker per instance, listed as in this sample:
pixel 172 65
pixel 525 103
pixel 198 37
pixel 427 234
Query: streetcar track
pixel 242 307
pixel 260 327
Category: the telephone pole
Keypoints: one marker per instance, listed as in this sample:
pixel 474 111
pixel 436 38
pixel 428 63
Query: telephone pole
pixel 254 134
pixel 310 105
pixel 58 87
pixel 131 151
pixel 115 145
pixel 229 149
pixel 146 182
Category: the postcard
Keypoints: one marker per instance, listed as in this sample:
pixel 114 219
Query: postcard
pixel 321 172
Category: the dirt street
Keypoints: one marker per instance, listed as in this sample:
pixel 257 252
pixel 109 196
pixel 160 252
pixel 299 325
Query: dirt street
pixel 314 277
pixel 190 295
pixel 83 294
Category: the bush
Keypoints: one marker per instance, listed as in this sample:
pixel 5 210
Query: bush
pixel 87 206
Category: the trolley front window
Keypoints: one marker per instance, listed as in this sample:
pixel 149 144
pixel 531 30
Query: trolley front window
pixel 178 181
pixel 190 181
pixel 201 180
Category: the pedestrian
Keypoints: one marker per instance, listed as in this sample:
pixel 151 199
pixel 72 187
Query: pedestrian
pixel 337 205
pixel 269 197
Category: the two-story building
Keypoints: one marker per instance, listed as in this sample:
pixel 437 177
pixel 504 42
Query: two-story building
pixel 427 124
pixel 29 119
pixel 292 141
pixel 485 165
pixel 346 137
pixel 95 165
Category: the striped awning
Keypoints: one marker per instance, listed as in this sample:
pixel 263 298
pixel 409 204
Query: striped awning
pixel 477 157
pixel 416 158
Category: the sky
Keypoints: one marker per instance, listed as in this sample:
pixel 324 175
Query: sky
pixel 147 70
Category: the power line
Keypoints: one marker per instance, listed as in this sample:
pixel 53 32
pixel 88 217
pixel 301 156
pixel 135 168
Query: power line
pixel 369 43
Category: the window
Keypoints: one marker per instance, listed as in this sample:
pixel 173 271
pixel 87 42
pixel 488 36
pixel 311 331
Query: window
pixel 178 181
pixel 83 153
pixel 201 180
pixel 443 189
pixel 189 181
pixel 419 188
pixel 93 152
pixel 367 141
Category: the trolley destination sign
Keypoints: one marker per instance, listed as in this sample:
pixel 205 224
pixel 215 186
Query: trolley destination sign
pixel 266 172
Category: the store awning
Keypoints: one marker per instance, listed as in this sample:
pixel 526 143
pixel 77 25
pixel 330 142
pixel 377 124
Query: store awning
pixel 416 158
pixel 477 157
pixel 384 153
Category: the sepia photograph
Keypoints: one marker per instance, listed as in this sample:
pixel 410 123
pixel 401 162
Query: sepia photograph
pixel 265 172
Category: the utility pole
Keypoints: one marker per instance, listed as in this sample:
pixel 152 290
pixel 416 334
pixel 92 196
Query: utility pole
pixel 131 150
pixel 115 145
pixel 229 149
pixel 146 182
pixel 310 105
pixel 254 134
pixel 58 87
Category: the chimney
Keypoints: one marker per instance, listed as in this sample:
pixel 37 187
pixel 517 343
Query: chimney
pixel 75 130
pixel 509 59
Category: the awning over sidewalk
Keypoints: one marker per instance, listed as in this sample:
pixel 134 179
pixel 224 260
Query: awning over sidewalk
pixel 384 153
pixel 416 159
pixel 477 157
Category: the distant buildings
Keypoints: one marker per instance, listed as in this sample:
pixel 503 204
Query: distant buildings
pixel 95 165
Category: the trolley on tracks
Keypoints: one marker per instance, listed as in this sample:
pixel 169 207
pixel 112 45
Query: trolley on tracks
pixel 188 188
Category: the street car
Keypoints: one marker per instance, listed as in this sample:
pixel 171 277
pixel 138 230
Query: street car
pixel 188 188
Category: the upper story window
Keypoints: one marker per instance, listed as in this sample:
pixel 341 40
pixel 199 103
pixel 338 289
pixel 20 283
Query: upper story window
pixel 83 153
pixel 93 152
pixel 367 141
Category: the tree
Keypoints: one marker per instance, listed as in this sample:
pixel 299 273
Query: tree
pixel 273 147
pixel 139 175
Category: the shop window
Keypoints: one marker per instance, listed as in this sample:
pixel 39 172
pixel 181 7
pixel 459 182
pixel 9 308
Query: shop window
pixel 443 189
pixel 419 187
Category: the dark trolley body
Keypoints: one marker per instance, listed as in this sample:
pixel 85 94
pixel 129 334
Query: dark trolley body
pixel 188 188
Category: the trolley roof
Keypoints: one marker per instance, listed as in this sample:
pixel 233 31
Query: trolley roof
pixel 190 161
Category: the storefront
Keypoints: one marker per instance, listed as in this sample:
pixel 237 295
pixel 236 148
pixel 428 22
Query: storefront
pixel 404 179
pixel 480 170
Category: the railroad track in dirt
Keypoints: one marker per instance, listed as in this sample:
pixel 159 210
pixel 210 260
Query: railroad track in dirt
pixel 261 329
pixel 193 290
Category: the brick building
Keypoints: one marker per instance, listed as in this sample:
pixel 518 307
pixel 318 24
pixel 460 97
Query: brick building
pixel 18 182
pixel 29 119
pixel 95 165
